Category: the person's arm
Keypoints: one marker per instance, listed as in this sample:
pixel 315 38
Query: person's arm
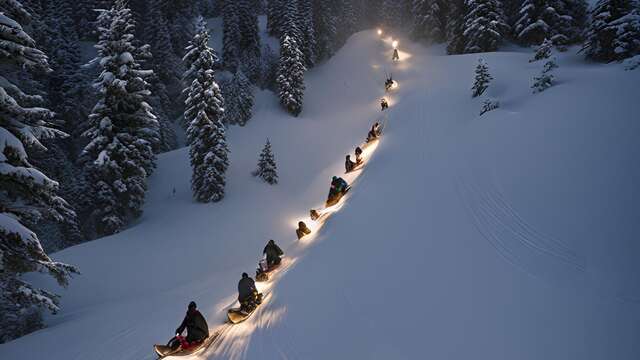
pixel 280 252
pixel 182 326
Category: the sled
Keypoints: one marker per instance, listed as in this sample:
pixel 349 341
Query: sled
pixel 236 316
pixel 263 275
pixel 356 168
pixel 336 198
pixel 164 351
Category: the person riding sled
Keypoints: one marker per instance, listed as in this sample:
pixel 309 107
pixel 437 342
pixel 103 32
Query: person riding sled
pixel 388 84
pixel 196 326
pixel 396 55
pixel 302 230
pixel 248 295
pixel 273 253
pixel 374 133
pixel 359 159
pixel 271 260
pixel 384 104
pixel 349 165
pixel 339 187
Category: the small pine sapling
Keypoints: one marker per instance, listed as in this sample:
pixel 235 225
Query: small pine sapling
pixel 489 105
pixel 482 80
pixel 546 78
pixel 543 51
pixel 267 169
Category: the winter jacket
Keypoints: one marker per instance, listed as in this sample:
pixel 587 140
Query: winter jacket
pixel 338 186
pixel 302 232
pixel 273 253
pixel 246 288
pixel 349 165
pixel 196 325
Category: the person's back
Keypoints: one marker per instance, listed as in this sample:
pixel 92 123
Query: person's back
pixel 343 184
pixel 384 104
pixel 358 155
pixel 273 253
pixel 348 164
pixel 195 324
pixel 246 288
pixel 302 230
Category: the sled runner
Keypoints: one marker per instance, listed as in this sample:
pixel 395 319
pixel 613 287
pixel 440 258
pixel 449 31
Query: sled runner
pixel 164 351
pixel 237 315
pixel 263 271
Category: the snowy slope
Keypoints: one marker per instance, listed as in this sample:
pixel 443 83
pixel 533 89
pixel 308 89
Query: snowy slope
pixel 511 236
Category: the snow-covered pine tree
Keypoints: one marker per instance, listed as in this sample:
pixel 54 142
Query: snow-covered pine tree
pixel 545 80
pixel 269 67
pixel 393 13
pixel 208 151
pixel 348 19
pixel 557 20
pixel 204 113
pixel 123 131
pixel 511 10
pixel 456 26
pixel 430 20
pixel 306 31
pixel 67 83
pixel 181 15
pixel 482 79
pixel 27 194
pixel 239 100
pixel 574 18
pixel 325 21
pixel 489 105
pixel 199 55
pixel 200 59
pixel 267 169
pixel 614 31
pixel 275 16
pixel 543 51
pixel 166 64
pixel 249 38
pixel 85 17
pixel 290 79
pixel 484 26
pixel 542 82
pixel 231 36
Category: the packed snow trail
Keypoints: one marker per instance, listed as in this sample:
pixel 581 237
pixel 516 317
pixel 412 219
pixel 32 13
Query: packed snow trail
pixel 510 236
pixel 506 236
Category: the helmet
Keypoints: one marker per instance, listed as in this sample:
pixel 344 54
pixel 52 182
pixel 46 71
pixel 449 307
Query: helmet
pixel 348 157
pixel 272 242
pixel 192 305
pixel 245 275
pixel 302 224
pixel 334 178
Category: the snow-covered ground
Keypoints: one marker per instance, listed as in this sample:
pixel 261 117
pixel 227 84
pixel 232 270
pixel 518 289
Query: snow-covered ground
pixel 507 236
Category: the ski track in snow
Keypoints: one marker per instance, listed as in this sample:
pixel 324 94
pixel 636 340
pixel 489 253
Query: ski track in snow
pixel 523 246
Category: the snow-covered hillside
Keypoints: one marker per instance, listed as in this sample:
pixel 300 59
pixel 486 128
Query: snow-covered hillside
pixel 507 236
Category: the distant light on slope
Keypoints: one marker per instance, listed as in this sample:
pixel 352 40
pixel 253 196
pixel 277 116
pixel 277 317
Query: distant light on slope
pixel 395 44
pixel 379 32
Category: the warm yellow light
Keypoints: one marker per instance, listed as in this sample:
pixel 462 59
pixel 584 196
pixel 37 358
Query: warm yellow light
pixel 395 44
pixel 379 32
